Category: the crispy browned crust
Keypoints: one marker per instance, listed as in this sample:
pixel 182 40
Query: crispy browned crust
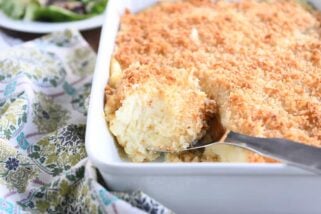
pixel 259 60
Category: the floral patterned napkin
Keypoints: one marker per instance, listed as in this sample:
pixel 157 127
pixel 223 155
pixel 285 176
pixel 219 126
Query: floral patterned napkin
pixel 44 89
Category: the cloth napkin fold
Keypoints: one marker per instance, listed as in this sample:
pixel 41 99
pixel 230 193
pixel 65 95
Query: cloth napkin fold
pixel 44 90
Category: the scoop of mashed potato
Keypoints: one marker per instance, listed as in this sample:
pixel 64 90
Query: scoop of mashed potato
pixel 154 108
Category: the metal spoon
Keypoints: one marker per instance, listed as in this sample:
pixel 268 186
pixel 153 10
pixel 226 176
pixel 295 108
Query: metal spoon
pixel 290 152
pixel 287 151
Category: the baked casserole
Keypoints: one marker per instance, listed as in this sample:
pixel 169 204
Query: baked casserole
pixel 255 66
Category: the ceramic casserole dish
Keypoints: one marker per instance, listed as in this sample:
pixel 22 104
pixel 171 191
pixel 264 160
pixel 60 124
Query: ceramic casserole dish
pixel 191 187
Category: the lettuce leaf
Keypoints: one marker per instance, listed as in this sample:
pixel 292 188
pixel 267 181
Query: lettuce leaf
pixel 54 14
pixel 16 8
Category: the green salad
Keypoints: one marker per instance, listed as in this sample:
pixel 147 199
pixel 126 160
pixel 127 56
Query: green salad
pixel 52 10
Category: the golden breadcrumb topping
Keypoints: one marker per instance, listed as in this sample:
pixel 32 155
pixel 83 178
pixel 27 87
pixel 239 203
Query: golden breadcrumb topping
pixel 259 60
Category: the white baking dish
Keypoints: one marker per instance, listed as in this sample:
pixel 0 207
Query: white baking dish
pixel 191 187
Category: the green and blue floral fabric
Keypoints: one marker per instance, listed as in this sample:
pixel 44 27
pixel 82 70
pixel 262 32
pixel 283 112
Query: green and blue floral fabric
pixel 44 89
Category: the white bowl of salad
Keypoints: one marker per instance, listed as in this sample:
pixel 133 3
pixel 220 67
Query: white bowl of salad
pixel 43 16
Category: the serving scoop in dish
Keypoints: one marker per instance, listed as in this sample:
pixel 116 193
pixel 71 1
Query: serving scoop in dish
pixel 287 151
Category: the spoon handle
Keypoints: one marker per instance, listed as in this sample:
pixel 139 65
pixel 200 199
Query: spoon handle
pixel 290 152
